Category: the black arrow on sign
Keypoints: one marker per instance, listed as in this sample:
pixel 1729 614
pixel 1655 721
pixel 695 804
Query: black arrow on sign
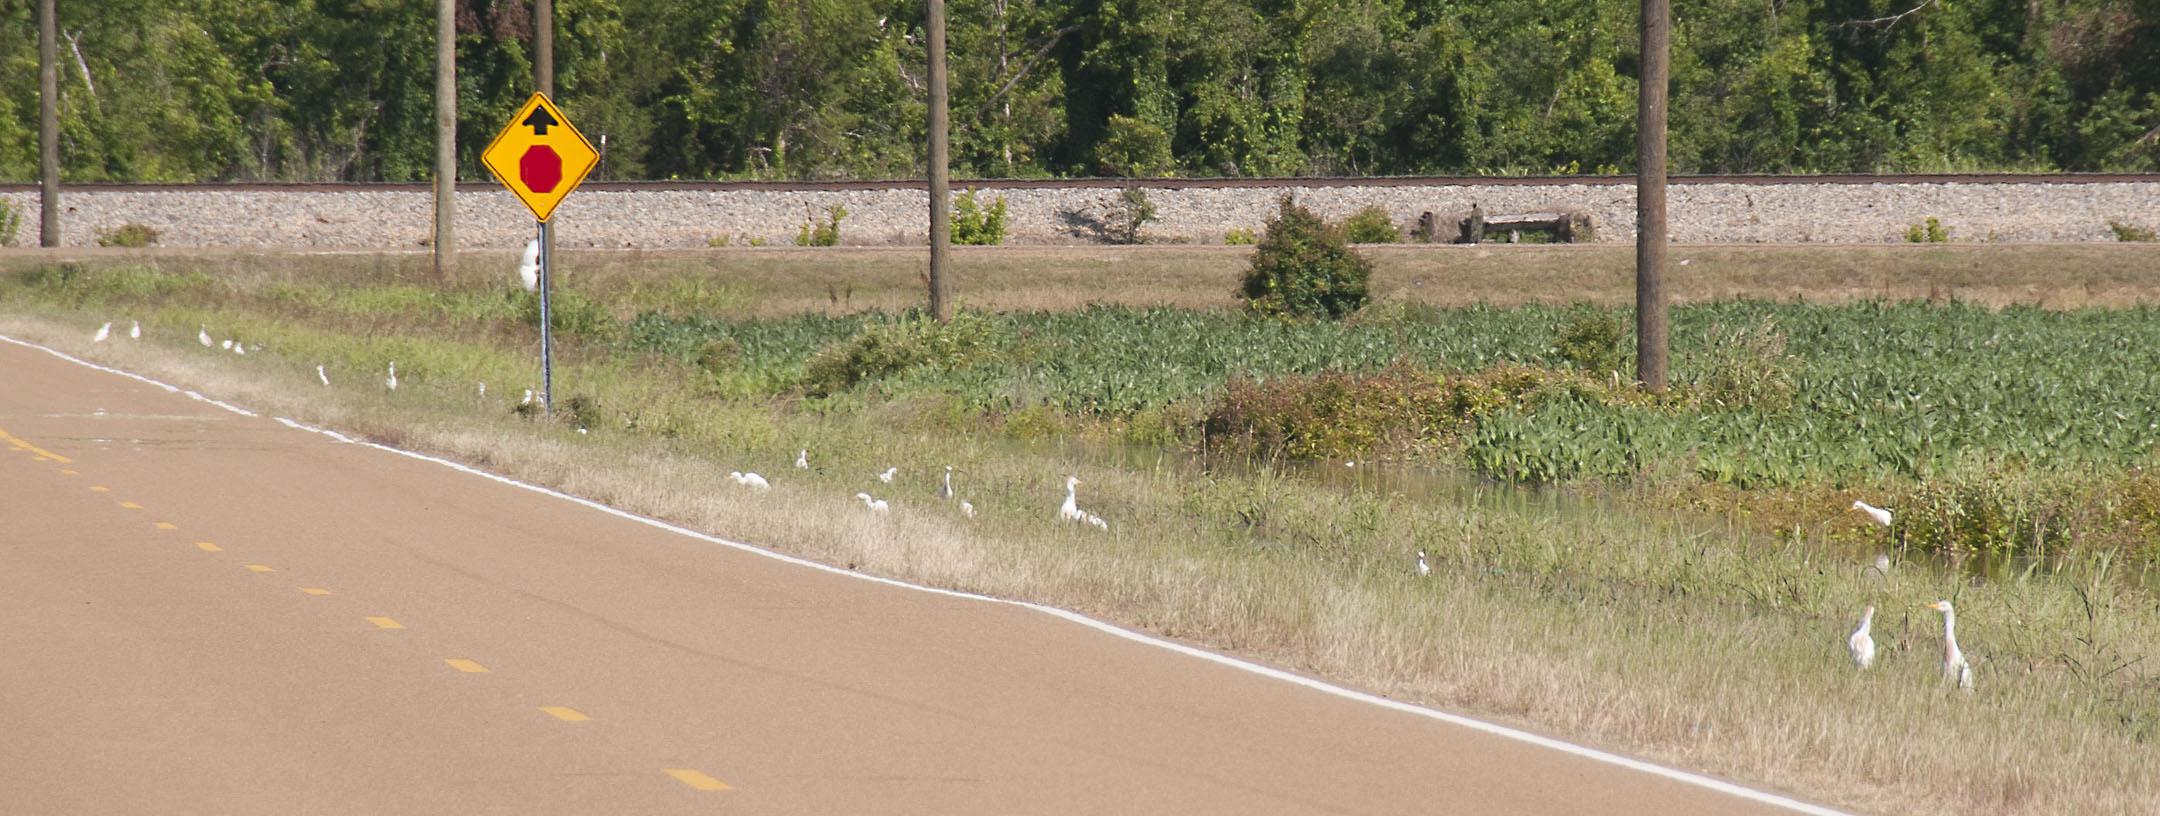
pixel 539 121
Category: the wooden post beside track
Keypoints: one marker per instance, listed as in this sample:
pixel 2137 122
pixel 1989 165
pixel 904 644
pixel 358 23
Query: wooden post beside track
pixel 1650 328
pixel 940 184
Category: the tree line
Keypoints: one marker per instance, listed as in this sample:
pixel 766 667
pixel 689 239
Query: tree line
pixel 342 90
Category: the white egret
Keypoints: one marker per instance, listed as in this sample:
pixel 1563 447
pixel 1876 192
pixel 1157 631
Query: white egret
pixel 392 381
pixel 239 348
pixel 875 505
pixel 1861 644
pixel 483 391
pixel 320 374
pixel 1881 515
pixel 1096 521
pixel 967 508
pixel 750 480
pixel 945 490
pixel 529 267
pixel 886 477
pixel 102 333
pixel 802 459
pixel 203 334
pixel 1953 665
pixel 1881 565
pixel 1070 510
pixel 1423 568
pixel 225 344
pixel 135 331
pixel 528 398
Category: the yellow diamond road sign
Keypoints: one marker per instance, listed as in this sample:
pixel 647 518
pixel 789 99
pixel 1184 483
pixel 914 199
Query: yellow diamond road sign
pixel 539 156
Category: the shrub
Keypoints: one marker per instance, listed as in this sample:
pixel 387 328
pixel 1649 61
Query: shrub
pixel 1747 367
pixel 1133 148
pixel 1592 340
pixel 1303 268
pixel 10 222
pixel 1371 226
pixel 884 349
pixel 1132 212
pixel 822 235
pixel 130 235
pixel 2123 232
pixel 1931 232
pixel 1240 237
pixel 974 226
pixel 581 411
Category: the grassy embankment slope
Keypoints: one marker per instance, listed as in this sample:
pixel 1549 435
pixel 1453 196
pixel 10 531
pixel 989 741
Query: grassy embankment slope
pixel 1695 638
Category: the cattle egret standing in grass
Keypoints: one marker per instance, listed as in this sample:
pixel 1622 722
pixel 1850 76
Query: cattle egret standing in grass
pixel 1954 665
pixel 529 267
pixel 1423 568
pixel 203 334
pixel 750 480
pixel 1861 644
pixel 886 477
pixel 1096 521
pixel 1879 514
pixel 1070 510
pixel 967 508
pixel 239 348
pixel 945 490
pixel 320 374
pixel 528 398
pixel 1882 565
pixel 135 330
pixel 392 381
pixel 102 333
pixel 802 459
pixel 875 505
pixel 225 344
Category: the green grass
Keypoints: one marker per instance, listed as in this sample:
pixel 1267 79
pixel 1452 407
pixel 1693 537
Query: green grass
pixel 1600 613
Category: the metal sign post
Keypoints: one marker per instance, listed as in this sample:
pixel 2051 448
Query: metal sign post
pixel 540 157
pixel 547 323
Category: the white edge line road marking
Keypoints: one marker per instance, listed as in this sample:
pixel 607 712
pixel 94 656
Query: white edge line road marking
pixel 1583 751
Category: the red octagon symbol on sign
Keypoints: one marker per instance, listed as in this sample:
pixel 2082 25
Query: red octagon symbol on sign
pixel 540 169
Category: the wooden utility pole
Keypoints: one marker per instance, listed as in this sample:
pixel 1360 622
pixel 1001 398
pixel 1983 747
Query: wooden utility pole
pixel 1650 335
pixel 544 46
pixel 445 138
pixel 48 127
pixel 940 184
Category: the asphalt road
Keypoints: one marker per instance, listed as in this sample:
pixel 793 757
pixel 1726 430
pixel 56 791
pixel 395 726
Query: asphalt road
pixel 202 612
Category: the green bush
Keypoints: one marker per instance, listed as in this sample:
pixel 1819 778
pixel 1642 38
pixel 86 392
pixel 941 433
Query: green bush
pixel 1303 268
pixel 132 235
pixel 972 225
pixel 1240 237
pixel 822 235
pixel 1371 226
pixel 884 349
pixel 10 222
pixel 1132 148
pixel 1129 215
pixel 2123 232
pixel 1592 340
pixel 1931 232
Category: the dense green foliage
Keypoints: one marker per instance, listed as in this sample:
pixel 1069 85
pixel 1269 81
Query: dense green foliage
pixel 1304 267
pixel 343 89
pixel 976 225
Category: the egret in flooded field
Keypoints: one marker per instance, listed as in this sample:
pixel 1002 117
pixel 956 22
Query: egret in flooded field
pixel 1881 515
pixel 750 480
pixel 529 266
pixel 392 381
pixel 102 332
pixel 1953 664
pixel 1861 644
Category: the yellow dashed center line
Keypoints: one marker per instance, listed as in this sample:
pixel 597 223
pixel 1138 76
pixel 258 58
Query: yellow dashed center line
pixel 166 525
pixel 209 547
pixel 565 714
pixel 22 444
pixel 99 488
pixel 131 505
pixel 696 779
pixel 315 590
pixel 385 623
pixel 259 568
pixel 466 666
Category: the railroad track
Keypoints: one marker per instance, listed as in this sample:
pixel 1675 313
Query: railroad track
pixel 1162 183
